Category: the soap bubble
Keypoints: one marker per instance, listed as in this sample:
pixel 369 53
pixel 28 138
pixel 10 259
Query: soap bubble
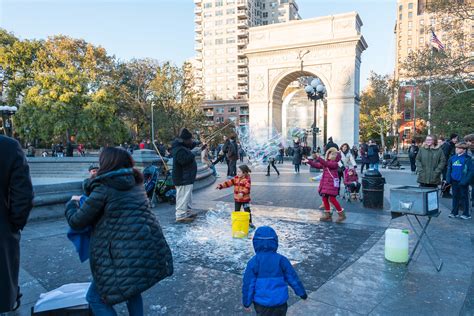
pixel 260 144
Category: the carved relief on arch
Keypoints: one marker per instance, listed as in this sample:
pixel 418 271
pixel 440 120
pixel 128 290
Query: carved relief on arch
pixel 257 87
pixel 344 79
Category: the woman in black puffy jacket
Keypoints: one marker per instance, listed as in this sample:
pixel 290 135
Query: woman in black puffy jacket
pixel 128 252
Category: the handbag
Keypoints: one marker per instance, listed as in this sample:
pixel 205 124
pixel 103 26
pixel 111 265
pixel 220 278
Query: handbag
pixel 336 181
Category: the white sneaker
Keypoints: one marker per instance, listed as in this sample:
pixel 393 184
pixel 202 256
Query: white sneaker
pixel 465 217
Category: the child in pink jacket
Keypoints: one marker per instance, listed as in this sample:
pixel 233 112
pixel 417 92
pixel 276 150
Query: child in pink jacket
pixel 330 183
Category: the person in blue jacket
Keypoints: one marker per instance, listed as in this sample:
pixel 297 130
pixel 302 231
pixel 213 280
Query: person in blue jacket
pixel 268 275
pixel 459 174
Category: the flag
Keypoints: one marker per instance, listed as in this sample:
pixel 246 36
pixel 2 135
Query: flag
pixel 435 42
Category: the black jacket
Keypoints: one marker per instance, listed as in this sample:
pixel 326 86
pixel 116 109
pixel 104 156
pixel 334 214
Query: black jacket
pixel 16 201
pixel 128 252
pixel 373 153
pixel 184 164
pixel 232 150
pixel 449 149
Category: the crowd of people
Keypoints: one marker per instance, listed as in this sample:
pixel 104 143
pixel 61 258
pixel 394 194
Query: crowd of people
pixel 128 252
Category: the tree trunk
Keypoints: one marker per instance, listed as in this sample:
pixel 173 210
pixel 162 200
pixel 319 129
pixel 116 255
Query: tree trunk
pixel 382 138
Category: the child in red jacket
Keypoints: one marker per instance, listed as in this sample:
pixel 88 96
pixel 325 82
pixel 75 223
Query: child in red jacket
pixel 241 183
pixel 330 183
pixel 351 180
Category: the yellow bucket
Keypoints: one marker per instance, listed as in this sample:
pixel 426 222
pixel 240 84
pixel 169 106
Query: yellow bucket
pixel 240 224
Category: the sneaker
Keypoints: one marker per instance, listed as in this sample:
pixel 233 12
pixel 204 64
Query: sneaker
pixel 267 175
pixel 185 220
pixel 453 216
pixel 296 172
pixel 465 216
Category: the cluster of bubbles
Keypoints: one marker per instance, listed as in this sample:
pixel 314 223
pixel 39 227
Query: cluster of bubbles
pixel 260 143
pixel 296 134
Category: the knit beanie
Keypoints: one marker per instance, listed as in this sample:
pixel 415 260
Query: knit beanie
pixel 185 134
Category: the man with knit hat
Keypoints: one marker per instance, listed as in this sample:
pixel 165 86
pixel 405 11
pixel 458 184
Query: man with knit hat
pixel 184 175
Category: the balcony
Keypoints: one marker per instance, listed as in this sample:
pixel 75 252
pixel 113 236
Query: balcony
pixel 197 10
pixel 241 33
pixel 242 81
pixel 243 62
pixel 242 3
pixel 198 19
pixel 242 14
pixel 242 89
pixel 244 24
pixel 209 114
pixel 246 112
pixel 243 72
pixel 198 47
pixel 198 29
pixel 241 53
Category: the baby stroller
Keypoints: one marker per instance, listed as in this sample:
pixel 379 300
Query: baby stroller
pixel 159 185
pixel 351 186
pixel 390 162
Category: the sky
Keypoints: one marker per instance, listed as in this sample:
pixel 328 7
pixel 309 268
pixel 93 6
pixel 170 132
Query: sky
pixel 164 29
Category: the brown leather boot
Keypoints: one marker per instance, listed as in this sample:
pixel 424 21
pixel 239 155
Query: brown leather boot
pixel 327 217
pixel 342 216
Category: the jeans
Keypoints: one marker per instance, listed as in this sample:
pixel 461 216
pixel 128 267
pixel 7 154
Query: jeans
pixel 374 166
pixel 272 163
pixel 213 168
pixel 232 168
pixel 460 197
pixel 134 304
pixel 270 311
pixel 413 164
pixel 366 165
pixel 297 168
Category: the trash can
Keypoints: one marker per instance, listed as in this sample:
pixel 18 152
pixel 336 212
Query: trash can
pixel 372 189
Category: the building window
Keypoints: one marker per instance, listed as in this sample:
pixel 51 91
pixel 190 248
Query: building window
pixel 220 120
pixel 219 3
pixel 230 2
pixel 207 14
pixel 218 23
pixel 265 23
pixel 422 22
pixel 232 118
pixel 410 6
pixel 406 132
pixel 400 8
pixel 410 15
pixel 410 25
pixel 230 21
pixel 219 41
pixel 422 40
pixel 432 21
pixel 219 13
pixel 230 31
pixel 219 31
pixel 410 33
pixel 407 115
pixel 230 40
pixel 220 110
pixel 230 11
pixel 400 16
pixel 265 14
pixel 233 110
pixel 422 30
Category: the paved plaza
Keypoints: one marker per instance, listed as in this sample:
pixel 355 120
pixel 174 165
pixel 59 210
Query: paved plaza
pixel 341 265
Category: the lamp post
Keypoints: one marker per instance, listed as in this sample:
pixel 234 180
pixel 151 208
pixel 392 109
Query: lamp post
pixel 152 123
pixel 315 91
pixel 7 112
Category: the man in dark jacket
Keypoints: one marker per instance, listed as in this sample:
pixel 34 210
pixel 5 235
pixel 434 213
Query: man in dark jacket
pixel 412 152
pixel 184 175
pixel 448 149
pixel 373 155
pixel 232 156
pixel 331 144
pixel 16 201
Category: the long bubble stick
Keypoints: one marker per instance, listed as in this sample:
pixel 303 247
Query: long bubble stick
pixel 159 154
pixel 210 137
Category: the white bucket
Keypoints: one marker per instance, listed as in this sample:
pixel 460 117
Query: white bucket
pixel 396 245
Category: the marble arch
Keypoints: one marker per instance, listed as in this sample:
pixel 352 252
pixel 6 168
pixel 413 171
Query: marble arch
pixel 327 47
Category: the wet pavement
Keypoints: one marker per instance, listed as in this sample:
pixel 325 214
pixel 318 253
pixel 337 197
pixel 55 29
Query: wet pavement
pixel 341 265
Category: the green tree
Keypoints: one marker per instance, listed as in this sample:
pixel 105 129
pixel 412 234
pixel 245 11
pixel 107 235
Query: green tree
pixel 177 103
pixel 377 116
pixel 71 94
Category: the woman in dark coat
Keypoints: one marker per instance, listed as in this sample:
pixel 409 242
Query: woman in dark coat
pixel 128 252
pixel 297 157
pixel 16 201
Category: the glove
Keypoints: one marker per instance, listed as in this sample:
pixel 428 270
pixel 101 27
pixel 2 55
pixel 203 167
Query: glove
pixel 305 296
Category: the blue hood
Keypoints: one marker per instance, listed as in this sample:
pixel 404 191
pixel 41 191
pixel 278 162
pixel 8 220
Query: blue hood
pixel 265 239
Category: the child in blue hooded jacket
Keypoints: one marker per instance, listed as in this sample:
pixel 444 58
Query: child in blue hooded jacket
pixel 268 275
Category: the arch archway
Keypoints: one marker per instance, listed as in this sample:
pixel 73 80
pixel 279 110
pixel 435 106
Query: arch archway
pixel 334 55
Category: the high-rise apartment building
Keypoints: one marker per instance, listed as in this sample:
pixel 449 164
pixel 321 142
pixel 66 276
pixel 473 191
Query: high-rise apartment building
pixel 221 27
